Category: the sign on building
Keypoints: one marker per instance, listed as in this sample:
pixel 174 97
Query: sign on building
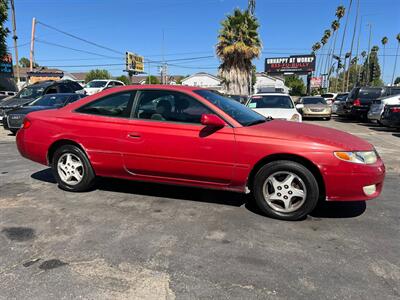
pixel 6 66
pixel 134 63
pixel 299 64
pixel 316 82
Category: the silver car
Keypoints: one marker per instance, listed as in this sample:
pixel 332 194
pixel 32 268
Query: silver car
pixel 378 106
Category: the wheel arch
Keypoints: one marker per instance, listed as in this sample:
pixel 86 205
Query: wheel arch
pixel 290 157
pixel 55 145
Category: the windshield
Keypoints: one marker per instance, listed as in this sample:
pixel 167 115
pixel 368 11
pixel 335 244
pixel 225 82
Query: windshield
pixel 50 100
pixel 30 92
pixel 270 101
pixel 341 97
pixel 370 93
pixel 315 100
pixel 96 84
pixel 327 95
pixel 237 111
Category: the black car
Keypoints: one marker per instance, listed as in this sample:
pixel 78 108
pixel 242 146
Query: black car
pixel 14 118
pixel 338 103
pixel 391 116
pixel 34 91
pixel 360 99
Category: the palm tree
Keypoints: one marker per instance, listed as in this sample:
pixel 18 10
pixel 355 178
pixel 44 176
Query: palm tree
pixel 329 60
pixel 341 11
pixel 384 42
pixel 395 58
pixel 238 44
pixel 316 47
pixel 324 41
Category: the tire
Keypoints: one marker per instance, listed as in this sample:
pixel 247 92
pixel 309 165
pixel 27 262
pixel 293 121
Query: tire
pixel 78 164
pixel 328 119
pixel 14 131
pixel 276 208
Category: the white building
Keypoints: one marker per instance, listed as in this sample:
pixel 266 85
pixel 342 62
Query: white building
pixel 203 80
pixel 266 83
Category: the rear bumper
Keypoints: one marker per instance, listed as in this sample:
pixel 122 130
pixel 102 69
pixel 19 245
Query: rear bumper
pixel 31 150
pixel 349 186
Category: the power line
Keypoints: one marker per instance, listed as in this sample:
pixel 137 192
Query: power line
pixel 79 38
pixel 74 49
pixel 20 45
pixel 81 66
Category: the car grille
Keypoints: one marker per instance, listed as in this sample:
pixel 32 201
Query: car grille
pixel 317 109
pixel 15 121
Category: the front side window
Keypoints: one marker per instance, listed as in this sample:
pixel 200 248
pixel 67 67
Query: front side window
pixel 270 101
pixel 237 111
pixel 50 100
pixel 169 106
pixel 116 105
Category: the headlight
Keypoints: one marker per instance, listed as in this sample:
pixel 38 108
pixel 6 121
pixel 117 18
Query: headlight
pixel 359 157
pixel 295 118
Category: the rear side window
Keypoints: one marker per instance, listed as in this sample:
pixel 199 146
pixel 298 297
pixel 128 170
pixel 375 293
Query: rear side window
pixel 394 91
pixel 117 105
pixel 63 88
pixel 354 94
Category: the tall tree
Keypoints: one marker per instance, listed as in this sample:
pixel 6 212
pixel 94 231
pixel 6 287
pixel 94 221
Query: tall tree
pixel 372 68
pixel 384 41
pixel 341 11
pixel 97 74
pixel 397 54
pixel 4 31
pixel 335 25
pixel 324 41
pixel 238 44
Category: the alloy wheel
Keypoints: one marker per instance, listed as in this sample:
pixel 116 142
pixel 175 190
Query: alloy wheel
pixel 70 169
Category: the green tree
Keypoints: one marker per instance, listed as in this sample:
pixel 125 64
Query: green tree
pixel 152 80
pixel 179 79
pixel 384 41
pixel 4 31
pixel 97 74
pixel 296 85
pixel 395 58
pixel 124 79
pixel 238 44
pixel 25 63
pixel 372 68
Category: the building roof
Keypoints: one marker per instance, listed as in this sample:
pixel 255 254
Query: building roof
pixel 79 75
pixel 202 74
pixel 23 72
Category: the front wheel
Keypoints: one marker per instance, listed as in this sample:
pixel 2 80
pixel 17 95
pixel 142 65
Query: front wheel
pixel 72 169
pixel 285 190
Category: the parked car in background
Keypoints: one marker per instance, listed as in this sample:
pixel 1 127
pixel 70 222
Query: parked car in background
pixel 276 106
pixel 360 99
pixel 314 107
pixel 13 118
pixel 5 94
pixel 329 98
pixel 36 90
pixel 338 103
pixel 195 137
pixel 98 85
pixel 391 116
pixel 238 98
pixel 378 106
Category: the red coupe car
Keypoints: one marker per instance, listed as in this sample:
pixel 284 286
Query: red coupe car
pixel 196 137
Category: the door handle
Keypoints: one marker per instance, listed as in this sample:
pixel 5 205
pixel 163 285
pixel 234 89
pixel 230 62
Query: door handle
pixel 134 135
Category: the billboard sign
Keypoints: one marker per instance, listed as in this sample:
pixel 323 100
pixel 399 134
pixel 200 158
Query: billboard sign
pixel 6 66
pixel 316 82
pixel 134 63
pixel 299 64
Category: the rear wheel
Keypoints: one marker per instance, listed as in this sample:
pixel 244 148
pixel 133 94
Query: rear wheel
pixel 285 190
pixel 14 131
pixel 72 169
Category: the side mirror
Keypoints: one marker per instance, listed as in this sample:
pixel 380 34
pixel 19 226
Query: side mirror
pixel 299 106
pixel 212 120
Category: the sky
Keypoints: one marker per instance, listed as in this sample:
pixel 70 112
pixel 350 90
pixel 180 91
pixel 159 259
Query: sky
pixel 182 29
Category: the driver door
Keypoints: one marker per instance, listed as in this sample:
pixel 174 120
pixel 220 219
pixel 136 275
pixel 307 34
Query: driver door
pixel 176 147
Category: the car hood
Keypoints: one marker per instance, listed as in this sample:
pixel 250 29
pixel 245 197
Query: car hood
pixel 15 102
pixel 277 113
pixel 91 91
pixel 307 133
pixel 27 109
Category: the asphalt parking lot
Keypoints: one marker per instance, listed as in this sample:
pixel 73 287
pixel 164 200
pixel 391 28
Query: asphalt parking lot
pixel 128 240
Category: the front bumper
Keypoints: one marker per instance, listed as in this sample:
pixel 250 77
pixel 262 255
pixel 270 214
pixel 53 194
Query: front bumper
pixel 316 115
pixel 350 184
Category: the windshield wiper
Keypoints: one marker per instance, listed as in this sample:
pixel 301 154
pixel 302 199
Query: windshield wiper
pixel 257 122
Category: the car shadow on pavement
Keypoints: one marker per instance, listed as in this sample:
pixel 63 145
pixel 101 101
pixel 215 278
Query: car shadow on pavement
pixel 323 210
pixel 396 135
pixel 347 209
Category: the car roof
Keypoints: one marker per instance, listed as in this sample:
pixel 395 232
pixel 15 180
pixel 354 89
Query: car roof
pixel 160 87
pixel 61 94
pixel 271 94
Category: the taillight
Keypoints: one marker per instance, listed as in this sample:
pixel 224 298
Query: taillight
pixel 357 102
pixel 27 123
pixel 395 109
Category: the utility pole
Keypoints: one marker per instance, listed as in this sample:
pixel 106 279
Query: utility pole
pixel 358 69
pixel 15 37
pixel 368 54
pixel 32 44
pixel 351 47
